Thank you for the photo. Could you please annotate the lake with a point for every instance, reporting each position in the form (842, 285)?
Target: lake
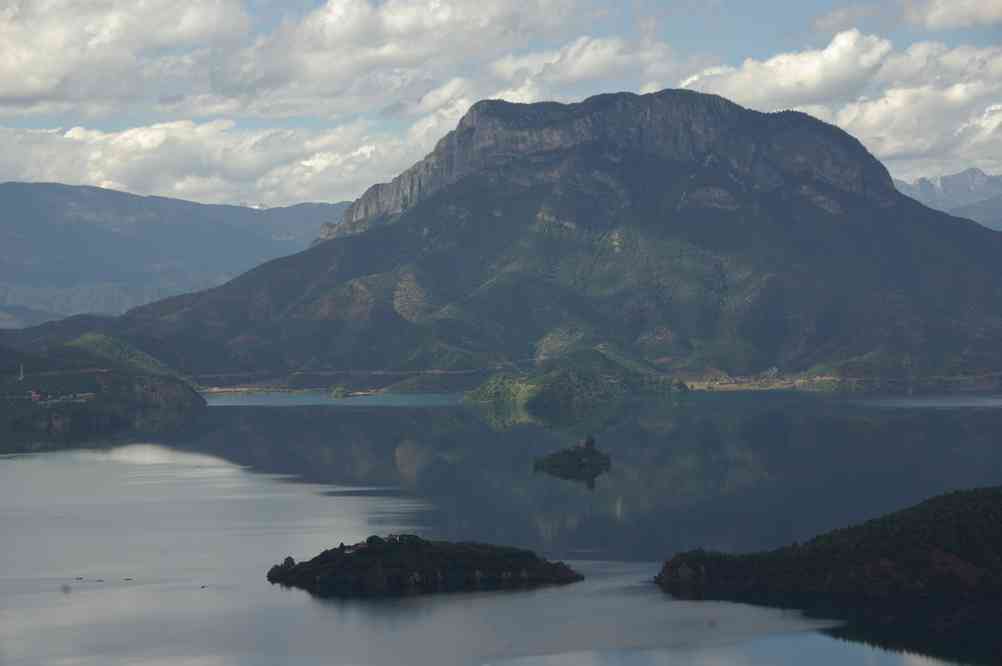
(156, 552)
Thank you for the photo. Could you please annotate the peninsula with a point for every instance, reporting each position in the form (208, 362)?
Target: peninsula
(934, 568)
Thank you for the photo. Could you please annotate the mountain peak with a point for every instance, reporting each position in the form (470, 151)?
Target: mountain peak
(953, 191)
(762, 150)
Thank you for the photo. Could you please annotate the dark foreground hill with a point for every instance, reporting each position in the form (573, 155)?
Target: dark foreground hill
(675, 229)
(935, 567)
(68, 249)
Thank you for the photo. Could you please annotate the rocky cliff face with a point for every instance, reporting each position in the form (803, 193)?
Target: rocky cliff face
(762, 150)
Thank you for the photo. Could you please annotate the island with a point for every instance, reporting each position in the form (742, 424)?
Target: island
(583, 463)
(934, 570)
(404, 564)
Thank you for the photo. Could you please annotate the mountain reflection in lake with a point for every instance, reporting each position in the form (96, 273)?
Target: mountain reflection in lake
(146, 527)
(731, 472)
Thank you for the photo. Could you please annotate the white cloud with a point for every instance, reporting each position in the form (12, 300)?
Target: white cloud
(200, 57)
(592, 64)
(948, 14)
(927, 109)
(348, 55)
(58, 53)
(838, 71)
(844, 18)
(212, 161)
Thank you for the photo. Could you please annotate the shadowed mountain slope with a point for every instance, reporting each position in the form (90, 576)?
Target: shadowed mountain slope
(676, 228)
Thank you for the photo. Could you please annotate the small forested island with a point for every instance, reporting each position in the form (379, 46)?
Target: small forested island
(933, 569)
(583, 463)
(402, 565)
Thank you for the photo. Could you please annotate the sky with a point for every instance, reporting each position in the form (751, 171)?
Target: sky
(276, 102)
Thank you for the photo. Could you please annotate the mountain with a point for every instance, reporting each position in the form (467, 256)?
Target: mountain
(676, 230)
(68, 249)
(987, 212)
(955, 191)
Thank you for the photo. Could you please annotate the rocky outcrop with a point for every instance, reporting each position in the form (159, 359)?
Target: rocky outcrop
(328, 230)
(763, 150)
(936, 566)
(404, 564)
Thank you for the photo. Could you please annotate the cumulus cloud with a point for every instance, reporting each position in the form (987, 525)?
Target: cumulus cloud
(844, 18)
(213, 161)
(201, 57)
(58, 54)
(927, 109)
(348, 55)
(948, 14)
(838, 71)
(588, 65)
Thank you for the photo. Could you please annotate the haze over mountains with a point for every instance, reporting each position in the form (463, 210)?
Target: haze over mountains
(988, 212)
(676, 229)
(67, 250)
(971, 193)
(18, 316)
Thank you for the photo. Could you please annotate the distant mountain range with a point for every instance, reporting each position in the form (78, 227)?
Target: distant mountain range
(68, 249)
(675, 230)
(988, 212)
(971, 193)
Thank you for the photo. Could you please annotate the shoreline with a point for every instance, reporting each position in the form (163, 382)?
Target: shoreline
(252, 390)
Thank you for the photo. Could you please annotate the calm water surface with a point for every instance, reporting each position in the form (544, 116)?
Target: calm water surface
(323, 398)
(938, 402)
(145, 554)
